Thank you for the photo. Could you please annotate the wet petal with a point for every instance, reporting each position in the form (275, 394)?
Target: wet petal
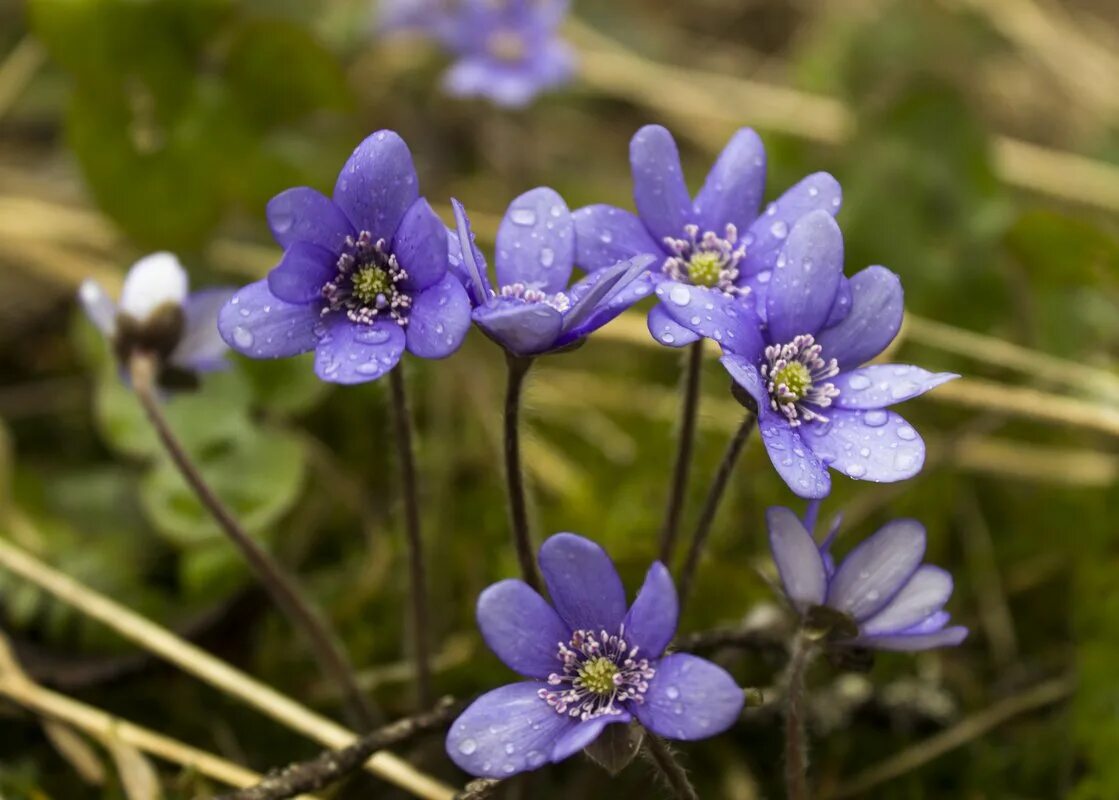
(689, 698)
(662, 198)
(468, 262)
(521, 328)
(668, 331)
(923, 596)
(605, 235)
(877, 569)
(506, 731)
(98, 306)
(521, 628)
(745, 374)
(798, 559)
(592, 293)
(712, 314)
(805, 279)
(305, 215)
(874, 445)
(651, 621)
(842, 305)
(877, 307)
(949, 637)
(584, 586)
(439, 320)
(420, 246)
(766, 235)
(303, 270)
(153, 281)
(377, 185)
(201, 347)
(257, 324)
(931, 624)
(735, 186)
(350, 352)
(536, 242)
(583, 734)
(621, 296)
(881, 385)
(794, 460)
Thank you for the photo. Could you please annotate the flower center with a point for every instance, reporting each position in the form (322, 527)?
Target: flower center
(599, 673)
(367, 286)
(519, 291)
(708, 260)
(797, 379)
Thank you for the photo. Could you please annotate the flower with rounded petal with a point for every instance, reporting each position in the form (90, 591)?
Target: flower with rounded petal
(589, 661)
(889, 598)
(719, 241)
(364, 274)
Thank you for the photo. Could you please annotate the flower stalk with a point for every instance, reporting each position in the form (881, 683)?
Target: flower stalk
(421, 641)
(689, 408)
(670, 768)
(518, 367)
(284, 592)
(796, 744)
(711, 505)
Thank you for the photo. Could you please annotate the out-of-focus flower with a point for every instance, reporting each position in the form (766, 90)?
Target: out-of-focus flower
(589, 663)
(157, 316)
(880, 597)
(363, 275)
(507, 50)
(800, 357)
(719, 241)
(533, 311)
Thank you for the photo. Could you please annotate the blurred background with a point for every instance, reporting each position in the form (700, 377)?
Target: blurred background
(977, 142)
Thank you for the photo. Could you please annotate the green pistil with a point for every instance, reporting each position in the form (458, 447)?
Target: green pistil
(371, 282)
(704, 269)
(796, 377)
(598, 674)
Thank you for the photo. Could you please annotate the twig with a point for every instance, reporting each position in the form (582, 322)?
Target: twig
(421, 629)
(711, 505)
(968, 729)
(280, 586)
(518, 367)
(209, 669)
(689, 408)
(333, 765)
(757, 640)
(669, 767)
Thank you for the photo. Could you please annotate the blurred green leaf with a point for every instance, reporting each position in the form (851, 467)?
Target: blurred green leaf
(285, 386)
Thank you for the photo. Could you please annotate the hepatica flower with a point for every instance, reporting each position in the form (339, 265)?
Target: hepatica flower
(533, 311)
(589, 662)
(362, 278)
(157, 316)
(718, 241)
(817, 406)
(883, 597)
(507, 50)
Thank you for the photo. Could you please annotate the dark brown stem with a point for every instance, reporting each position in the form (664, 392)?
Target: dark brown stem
(757, 640)
(669, 767)
(334, 765)
(283, 590)
(514, 474)
(711, 505)
(796, 746)
(689, 408)
(478, 789)
(421, 633)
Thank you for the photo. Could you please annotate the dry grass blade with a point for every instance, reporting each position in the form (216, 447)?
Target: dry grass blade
(18, 69)
(138, 777)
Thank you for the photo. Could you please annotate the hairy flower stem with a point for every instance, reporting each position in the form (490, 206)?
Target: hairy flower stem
(333, 765)
(283, 590)
(421, 634)
(514, 475)
(711, 505)
(689, 407)
(669, 767)
(796, 745)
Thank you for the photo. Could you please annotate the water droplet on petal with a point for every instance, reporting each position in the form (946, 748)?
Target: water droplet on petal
(779, 229)
(876, 418)
(672, 692)
(680, 295)
(547, 257)
(907, 433)
(668, 338)
(859, 382)
(467, 746)
(855, 470)
(243, 337)
(523, 216)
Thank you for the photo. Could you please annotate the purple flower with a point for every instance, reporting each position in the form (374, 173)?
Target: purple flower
(533, 311)
(507, 50)
(363, 275)
(800, 357)
(589, 663)
(718, 241)
(886, 598)
(157, 315)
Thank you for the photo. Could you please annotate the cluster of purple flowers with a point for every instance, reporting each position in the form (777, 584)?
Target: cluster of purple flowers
(371, 272)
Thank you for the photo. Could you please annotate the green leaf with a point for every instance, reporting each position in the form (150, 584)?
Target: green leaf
(286, 386)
